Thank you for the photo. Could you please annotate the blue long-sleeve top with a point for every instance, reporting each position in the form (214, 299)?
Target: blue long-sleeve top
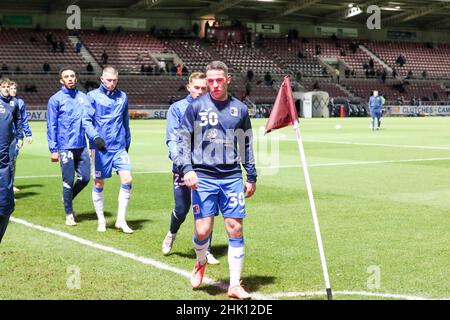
(216, 138)
(24, 116)
(108, 118)
(375, 103)
(11, 106)
(9, 120)
(64, 120)
(173, 123)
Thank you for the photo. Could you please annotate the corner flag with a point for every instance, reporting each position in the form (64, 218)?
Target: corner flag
(284, 114)
(283, 111)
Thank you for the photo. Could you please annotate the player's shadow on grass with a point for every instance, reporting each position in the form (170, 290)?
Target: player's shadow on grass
(28, 186)
(136, 224)
(218, 251)
(83, 216)
(20, 195)
(251, 284)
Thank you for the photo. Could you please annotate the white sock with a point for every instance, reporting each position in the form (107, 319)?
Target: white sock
(124, 197)
(97, 199)
(235, 260)
(201, 247)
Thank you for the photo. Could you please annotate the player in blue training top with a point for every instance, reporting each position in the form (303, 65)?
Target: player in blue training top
(25, 126)
(375, 106)
(181, 193)
(216, 137)
(107, 120)
(67, 140)
(9, 121)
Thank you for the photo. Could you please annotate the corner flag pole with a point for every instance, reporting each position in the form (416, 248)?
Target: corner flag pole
(313, 210)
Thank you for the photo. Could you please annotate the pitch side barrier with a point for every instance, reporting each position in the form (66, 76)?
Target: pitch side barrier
(406, 110)
(135, 114)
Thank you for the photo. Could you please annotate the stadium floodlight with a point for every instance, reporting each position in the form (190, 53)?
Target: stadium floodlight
(266, 0)
(352, 11)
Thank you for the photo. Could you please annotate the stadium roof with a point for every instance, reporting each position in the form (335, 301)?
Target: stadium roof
(428, 14)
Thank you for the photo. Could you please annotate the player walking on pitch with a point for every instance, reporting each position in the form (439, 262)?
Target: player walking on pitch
(107, 124)
(25, 126)
(216, 137)
(67, 140)
(182, 194)
(10, 125)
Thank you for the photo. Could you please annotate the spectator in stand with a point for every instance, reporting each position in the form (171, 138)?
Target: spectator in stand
(316, 86)
(371, 63)
(5, 67)
(318, 49)
(46, 67)
(62, 46)
(250, 74)
(179, 70)
(89, 68)
(268, 79)
(435, 96)
(401, 60)
(383, 76)
(410, 75)
(394, 73)
(78, 47)
(424, 74)
(185, 71)
(104, 58)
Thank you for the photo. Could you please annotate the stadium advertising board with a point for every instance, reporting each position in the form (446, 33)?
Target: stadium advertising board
(394, 110)
(41, 115)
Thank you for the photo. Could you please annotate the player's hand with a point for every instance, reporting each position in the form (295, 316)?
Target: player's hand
(54, 157)
(191, 180)
(249, 189)
(19, 144)
(100, 144)
(29, 139)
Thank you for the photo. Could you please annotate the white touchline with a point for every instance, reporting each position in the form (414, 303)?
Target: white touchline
(353, 293)
(187, 274)
(375, 144)
(274, 167)
(147, 261)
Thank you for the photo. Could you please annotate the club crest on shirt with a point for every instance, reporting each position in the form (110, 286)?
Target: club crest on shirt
(212, 134)
(234, 111)
(80, 100)
(119, 100)
(11, 103)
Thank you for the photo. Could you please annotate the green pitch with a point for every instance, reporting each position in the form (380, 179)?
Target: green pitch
(382, 198)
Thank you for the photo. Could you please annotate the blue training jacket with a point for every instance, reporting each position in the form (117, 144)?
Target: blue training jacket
(64, 120)
(173, 123)
(24, 116)
(375, 103)
(107, 117)
(216, 137)
(10, 120)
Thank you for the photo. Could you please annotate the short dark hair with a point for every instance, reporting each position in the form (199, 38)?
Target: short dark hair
(217, 65)
(65, 69)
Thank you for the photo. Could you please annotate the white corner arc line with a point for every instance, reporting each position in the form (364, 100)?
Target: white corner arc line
(374, 144)
(187, 274)
(354, 293)
(147, 261)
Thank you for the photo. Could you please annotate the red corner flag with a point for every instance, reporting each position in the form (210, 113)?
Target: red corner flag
(283, 112)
